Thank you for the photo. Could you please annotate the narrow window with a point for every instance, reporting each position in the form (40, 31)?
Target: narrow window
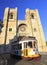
(11, 16)
(34, 44)
(35, 29)
(32, 16)
(10, 29)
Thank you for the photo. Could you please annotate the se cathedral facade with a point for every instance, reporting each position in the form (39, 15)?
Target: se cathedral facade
(31, 26)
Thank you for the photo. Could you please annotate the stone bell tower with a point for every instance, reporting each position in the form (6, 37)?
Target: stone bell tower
(33, 19)
(9, 22)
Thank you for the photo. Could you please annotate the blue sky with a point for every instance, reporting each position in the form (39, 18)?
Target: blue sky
(41, 5)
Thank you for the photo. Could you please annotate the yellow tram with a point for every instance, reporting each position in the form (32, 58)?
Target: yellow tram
(26, 48)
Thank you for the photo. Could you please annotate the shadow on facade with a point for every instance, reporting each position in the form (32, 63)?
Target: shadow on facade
(5, 54)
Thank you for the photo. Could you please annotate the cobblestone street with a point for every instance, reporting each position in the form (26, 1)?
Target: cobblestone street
(7, 60)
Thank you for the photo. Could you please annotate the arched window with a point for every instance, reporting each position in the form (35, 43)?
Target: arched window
(32, 15)
(11, 15)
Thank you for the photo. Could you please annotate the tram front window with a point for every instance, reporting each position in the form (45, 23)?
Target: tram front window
(30, 44)
(35, 45)
(25, 44)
